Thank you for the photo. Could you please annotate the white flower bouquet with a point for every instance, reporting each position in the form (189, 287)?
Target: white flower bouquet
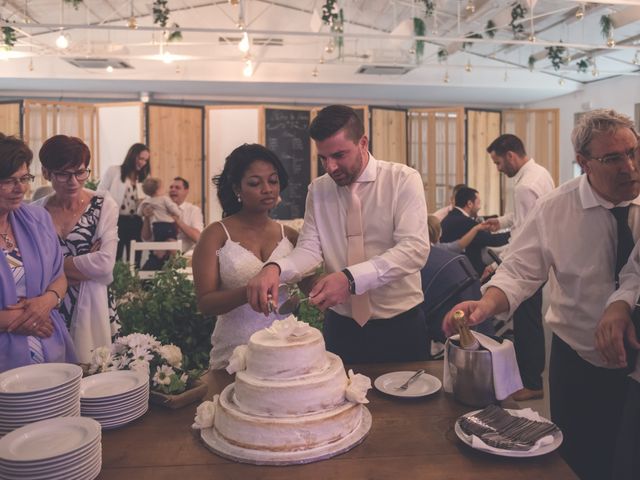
(144, 353)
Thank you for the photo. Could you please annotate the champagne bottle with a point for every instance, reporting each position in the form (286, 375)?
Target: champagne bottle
(467, 340)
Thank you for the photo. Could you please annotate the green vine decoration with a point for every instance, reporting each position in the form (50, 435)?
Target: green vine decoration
(470, 35)
(490, 29)
(429, 8)
(74, 3)
(531, 62)
(334, 18)
(175, 35)
(582, 66)
(443, 54)
(161, 17)
(556, 56)
(419, 30)
(9, 37)
(517, 13)
(606, 26)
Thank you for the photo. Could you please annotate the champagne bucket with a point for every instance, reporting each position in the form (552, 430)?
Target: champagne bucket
(471, 375)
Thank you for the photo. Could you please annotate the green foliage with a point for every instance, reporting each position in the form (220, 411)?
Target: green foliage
(531, 62)
(166, 308)
(74, 3)
(175, 35)
(556, 56)
(92, 184)
(161, 12)
(8, 37)
(429, 7)
(470, 35)
(419, 29)
(606, 26)
(490, 29)
(582, 66)
(330, 13)
(517, 13)
(443, 54)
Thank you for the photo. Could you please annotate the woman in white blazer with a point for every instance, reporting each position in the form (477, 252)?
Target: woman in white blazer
(124, 183)
(86, 224)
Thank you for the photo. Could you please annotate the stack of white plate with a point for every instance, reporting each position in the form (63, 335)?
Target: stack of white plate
(114, 398)
(37, 392)
(64, 447)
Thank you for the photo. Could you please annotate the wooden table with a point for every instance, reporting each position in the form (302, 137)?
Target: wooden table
(409, 439)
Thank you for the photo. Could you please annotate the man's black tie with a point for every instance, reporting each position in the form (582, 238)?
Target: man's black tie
(625, 239)
(625, 245)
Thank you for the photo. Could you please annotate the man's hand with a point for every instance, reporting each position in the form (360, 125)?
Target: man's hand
(147, 211)
(474, 311)
(330, 290)
(263, 288)
(493, 224)
(34, 319)
(614, 328)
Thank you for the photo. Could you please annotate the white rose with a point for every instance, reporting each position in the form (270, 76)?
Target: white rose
(357, 387)
(238, 360)
(172, 354)
(100, 359)
(205, 414)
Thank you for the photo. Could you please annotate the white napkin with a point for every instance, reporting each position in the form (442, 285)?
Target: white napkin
(527, 413)
(506, 375)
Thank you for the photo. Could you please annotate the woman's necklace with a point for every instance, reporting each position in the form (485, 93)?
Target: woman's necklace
(7, 240)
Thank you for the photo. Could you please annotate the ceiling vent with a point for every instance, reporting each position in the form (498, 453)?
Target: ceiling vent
(98, 63)
(383, 70)
(258, 41)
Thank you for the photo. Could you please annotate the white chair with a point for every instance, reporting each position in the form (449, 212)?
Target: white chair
(148, 247)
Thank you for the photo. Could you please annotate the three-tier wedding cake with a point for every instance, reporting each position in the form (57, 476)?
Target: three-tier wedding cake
(291, 401)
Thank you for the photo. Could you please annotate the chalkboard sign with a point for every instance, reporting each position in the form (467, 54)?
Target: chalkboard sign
(360, 114)
(287, 134)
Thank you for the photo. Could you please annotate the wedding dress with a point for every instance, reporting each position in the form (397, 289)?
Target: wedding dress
(237, 266)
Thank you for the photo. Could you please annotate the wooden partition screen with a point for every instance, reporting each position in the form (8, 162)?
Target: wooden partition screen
(389, 134)
(43, 119)
(174, 137)
(482, 128)
(11, 118)
(436, 140)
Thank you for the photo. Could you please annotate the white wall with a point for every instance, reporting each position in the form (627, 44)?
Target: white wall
(620, 93)
(119, 127)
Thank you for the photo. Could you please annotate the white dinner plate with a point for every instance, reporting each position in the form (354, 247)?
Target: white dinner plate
(116, 400)
(43, 397)
(106, 425)
(48, 438)
(109, 384)
(37, 378)
(422, 386)
(543, 450)
(78, 458)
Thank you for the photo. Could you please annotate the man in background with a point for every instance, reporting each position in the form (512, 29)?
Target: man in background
(444, 211)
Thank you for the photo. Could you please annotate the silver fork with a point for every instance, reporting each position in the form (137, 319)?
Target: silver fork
(413, 377)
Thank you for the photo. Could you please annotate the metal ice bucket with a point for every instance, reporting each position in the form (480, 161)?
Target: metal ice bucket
(471, 375)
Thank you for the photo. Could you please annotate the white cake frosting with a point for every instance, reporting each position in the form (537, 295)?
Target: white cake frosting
(290, 394)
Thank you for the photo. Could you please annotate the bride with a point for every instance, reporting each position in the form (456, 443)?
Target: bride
(230, 252)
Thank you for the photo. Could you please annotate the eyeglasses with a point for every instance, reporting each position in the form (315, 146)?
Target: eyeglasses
(62, 176)
(8, 184)
(617, 158)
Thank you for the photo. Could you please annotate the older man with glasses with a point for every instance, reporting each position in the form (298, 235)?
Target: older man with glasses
(574, 238)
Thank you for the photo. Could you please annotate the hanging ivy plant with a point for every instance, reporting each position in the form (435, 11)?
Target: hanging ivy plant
(517, 13)
(8, 36)
(531, 62)
(429, 8)
(443, 54)
(330, 12)
(74, 3)
(419, 30)
(490, 29)
(470, 35)
(582, 66)
(175, 35)
(606, 26)
(161, 12)
(556, 56)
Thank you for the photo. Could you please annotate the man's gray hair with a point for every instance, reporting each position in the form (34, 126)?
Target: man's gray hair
(596, 122)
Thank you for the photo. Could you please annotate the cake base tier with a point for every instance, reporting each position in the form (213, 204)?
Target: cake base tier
(217, 444)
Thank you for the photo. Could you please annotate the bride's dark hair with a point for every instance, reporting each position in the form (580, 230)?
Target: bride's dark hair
(234, 167)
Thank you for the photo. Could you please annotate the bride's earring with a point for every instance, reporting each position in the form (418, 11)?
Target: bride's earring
(239, 198)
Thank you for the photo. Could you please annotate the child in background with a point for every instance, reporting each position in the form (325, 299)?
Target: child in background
(163, 224)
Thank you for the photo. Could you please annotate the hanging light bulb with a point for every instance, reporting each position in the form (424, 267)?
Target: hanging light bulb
(470, 8)
(314, 72)
(594, 71)
(636, 60)
(611, 42)
(412, 50)
(31, 67)
(580, 12)
(167, 57)
(446, 77)
(132, 23)
(109, 69)
(244, 44)
(532, 38)
(247, 71)
(467, 67)
(506, 76)
(330, 47)
(561, 81)
(233, 2)
(62, 42)
(178, 69)
(321, 61)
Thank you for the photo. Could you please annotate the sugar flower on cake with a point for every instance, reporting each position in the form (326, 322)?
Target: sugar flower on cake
(357, 387)
(290, 326)
(238, 360)
(205, 414)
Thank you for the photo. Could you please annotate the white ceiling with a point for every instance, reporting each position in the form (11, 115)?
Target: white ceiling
(208, 65)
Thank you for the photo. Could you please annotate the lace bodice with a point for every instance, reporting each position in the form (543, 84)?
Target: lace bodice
(237, 266)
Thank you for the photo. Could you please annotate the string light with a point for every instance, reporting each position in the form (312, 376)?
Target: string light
(636, 60)
(109, 69)
(244, 44)
(580, 12)
(330, 47)
(62, 42)
(470, 8)
(467, 67)
(611, 42)
(247, 71)
(314, 72)
(167, 57)
(446, 77)
(561, 81)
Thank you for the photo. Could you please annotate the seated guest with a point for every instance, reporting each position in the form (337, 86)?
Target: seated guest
(233, 250)
(32, 281)
(462, 219)
(457, 246)
(444, 211)
(87, 226)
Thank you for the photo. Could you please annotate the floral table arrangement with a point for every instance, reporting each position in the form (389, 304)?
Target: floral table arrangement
(170, 384)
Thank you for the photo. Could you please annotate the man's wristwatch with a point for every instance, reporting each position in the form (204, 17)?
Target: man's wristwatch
(352, 282)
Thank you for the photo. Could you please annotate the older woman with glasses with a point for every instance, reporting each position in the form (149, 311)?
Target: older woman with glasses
(86, 224)
(32, 281)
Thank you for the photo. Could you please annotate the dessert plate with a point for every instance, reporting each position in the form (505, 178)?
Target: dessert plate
(422, 386)
(542, 450)
(108, 384)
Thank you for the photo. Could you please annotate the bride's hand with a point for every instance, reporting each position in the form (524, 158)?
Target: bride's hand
(261, 286)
